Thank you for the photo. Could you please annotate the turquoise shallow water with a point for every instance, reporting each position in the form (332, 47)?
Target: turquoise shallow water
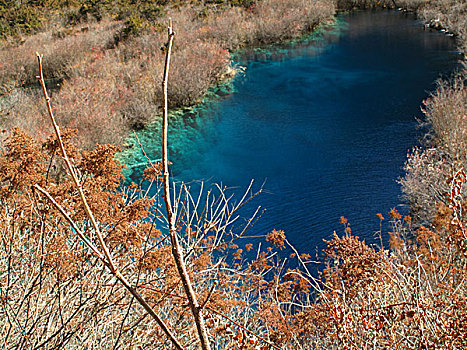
(326, 124)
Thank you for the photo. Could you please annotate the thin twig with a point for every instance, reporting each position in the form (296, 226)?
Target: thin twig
(217, 313)
(70, 168)
(105, 257)
(72, 223)
(171, 218)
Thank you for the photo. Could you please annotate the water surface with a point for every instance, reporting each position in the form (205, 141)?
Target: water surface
(326, 124)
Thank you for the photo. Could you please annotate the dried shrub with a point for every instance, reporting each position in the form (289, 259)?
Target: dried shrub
(411, 297)
(266, 22)
(61, 54)
(118, 63)
(61, 293)
(427, 169)
(198, 69)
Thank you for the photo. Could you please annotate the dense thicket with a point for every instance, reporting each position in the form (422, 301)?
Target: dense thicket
(30, 16)
(56, 293)
(106, 55)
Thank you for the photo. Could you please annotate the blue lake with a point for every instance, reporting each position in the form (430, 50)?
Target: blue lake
(326, 123)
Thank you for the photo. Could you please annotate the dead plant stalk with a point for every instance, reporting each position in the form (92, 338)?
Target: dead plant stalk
(177, 252)
(105, 257)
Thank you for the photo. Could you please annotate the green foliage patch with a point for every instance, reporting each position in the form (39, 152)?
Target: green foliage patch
(19, 19)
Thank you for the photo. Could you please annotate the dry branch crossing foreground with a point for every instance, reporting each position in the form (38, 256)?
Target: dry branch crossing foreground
(105, 255)
(217, 216)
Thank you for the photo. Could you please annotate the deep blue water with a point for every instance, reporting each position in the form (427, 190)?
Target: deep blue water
(326, 124)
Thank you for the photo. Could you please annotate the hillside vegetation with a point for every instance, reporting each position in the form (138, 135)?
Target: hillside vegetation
(104, 61)
(109, 64)
(106, 55)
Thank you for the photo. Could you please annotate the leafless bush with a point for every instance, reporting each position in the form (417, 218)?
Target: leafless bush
(56, 293)
(63, 54)
(427, 170)
(446, 112)
(15, 115)
(88, 66)
(266, 22)
(424, 182)
(279, 20)
(199, 68)
(82, 260)
(410, 297)
(364, 4)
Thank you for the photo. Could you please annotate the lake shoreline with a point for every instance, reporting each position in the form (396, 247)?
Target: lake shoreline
(230, 70)
(213, 143)
(120, 63)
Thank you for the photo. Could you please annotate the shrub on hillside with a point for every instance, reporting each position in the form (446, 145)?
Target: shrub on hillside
(130, 56)
(63, 55)
(195, 69)
(57, 288)
(267, 22)
(19, 20)
(15, 115)
(427, 169)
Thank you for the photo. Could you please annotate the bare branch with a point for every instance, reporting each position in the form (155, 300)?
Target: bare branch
(106, 257)
(70, 168)
(176, 248)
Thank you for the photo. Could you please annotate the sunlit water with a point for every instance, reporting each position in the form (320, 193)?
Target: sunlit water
(326, 124)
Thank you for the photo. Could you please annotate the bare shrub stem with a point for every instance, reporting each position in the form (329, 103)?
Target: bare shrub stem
(221, 315)
(71, 170)
(105, 257)
(177, 251)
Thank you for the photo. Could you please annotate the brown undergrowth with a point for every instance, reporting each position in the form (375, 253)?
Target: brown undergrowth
(56, 293)
(109, 66)
(412, 296)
